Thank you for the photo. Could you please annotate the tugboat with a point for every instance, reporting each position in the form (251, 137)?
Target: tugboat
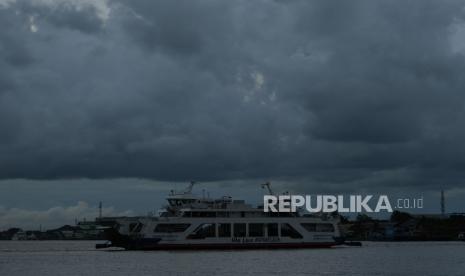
(193, 222)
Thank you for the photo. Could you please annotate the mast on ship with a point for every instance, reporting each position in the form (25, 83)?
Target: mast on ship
(189, 188)
(187, 191)
(268, 187)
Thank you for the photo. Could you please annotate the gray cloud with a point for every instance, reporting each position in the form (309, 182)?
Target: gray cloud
(354, 94)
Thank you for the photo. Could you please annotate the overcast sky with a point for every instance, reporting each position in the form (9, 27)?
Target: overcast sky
(125, 99)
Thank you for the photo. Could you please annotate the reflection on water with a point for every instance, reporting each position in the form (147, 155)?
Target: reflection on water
(79, 258)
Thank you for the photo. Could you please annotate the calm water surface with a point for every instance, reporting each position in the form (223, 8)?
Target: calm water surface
(79, 258)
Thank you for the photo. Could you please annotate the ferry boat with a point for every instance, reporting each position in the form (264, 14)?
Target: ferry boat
(193, 222)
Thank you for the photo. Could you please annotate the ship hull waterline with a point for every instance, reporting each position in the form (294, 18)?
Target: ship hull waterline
(123, 241)
(220, 246)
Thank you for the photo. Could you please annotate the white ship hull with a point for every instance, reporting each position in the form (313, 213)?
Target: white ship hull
(146, 238)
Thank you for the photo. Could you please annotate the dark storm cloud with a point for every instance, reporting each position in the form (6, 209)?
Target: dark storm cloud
(357, 93)
(389, 70)
(64, 14)
(183, 27)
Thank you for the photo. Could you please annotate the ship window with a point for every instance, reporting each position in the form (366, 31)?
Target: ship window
(223, 214)
(207, 214)
(288, 231)
(256, 230)
(272, 229)
(320, 227)
(135, 227)
(310, 227)
(171, 228)
(239, 230)
(324, 227)
(224, 230)
(206, 230)
(203, 214)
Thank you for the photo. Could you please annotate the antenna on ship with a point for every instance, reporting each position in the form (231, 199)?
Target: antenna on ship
(100, 210)
(189, 188)
(268, 187)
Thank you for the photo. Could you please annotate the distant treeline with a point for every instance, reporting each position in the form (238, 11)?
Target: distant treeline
(82, 231)
(405, 226)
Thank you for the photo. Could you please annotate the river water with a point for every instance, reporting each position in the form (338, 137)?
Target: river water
(374, 258)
